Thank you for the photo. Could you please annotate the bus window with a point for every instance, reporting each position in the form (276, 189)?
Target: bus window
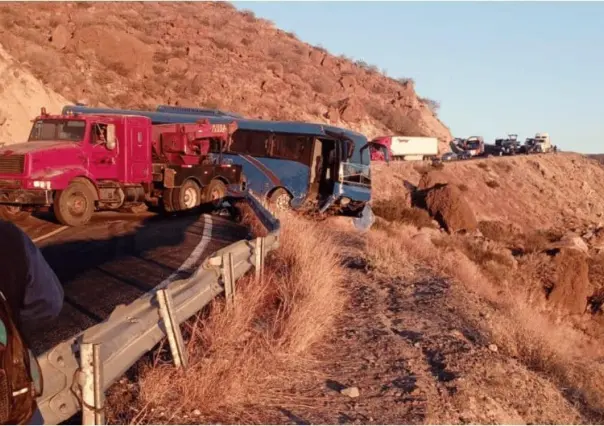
(250, 143)
(292, 147)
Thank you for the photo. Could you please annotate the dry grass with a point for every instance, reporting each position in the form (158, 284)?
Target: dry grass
(250, 351)
(396, 210)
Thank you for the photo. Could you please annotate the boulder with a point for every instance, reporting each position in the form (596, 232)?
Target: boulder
(60, 36)
(116, 49)
(448, 206)
(571, 284)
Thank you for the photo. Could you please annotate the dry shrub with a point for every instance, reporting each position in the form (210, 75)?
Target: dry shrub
(251, 350)
(248, 218)
(554, 350)
(497, 231)
(397, 210)
(322, 84)
(503, 166)
(224, 42)
(481, 254)
(538, 241)
(384, 255)
(492, 184)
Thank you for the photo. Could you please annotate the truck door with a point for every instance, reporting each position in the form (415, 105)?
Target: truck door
(103, 161)
(139, 153)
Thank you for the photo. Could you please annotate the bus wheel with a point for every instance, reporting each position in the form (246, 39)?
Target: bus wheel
(187, 197)
(13, 213)
(280, 199)
(74, 206)
(214, 193)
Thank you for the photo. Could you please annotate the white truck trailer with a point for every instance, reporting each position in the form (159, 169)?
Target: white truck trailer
(409, 147)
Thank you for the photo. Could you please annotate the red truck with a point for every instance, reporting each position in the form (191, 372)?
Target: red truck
(78, 164)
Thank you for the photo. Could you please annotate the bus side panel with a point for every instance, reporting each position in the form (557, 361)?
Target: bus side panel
(292, 175)
(354, 192)
(257, 181)
(265, 174)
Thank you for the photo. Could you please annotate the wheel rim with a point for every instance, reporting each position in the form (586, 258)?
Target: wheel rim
(282, 202)
(77, 204)
(190, 198)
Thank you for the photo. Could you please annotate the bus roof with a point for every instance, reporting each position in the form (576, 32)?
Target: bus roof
(162, 117)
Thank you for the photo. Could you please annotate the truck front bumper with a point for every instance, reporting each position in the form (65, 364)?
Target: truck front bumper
(39, 197)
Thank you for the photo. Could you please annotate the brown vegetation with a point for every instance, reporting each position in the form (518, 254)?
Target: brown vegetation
(397, 210)
(245, 352)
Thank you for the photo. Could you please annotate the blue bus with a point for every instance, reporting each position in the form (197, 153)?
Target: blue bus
(292, 164)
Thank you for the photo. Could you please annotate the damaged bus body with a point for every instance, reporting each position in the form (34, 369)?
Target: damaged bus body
(292, 164)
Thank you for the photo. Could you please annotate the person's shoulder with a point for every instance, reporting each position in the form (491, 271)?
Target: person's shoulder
(10, 232)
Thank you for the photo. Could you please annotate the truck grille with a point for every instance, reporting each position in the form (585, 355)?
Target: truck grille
(12, 164)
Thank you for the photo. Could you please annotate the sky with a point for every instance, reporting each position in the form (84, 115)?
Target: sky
(495, 67)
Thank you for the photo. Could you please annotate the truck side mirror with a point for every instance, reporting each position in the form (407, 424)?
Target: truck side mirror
(111, 141)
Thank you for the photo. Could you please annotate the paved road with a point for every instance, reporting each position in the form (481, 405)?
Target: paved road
(117, 257)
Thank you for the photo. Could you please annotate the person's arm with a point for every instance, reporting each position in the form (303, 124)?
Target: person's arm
(43, 292)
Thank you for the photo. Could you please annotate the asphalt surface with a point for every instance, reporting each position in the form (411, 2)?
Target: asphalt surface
(116, 258)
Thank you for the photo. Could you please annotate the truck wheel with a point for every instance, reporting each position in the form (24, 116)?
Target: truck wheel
(166, 200)
(74, 206)
(280, 199)
(214, 193)
(187, 197)
(13, 213)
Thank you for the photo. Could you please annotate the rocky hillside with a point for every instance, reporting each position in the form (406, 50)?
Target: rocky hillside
(532, 192)
(21, 96)
(205, 54)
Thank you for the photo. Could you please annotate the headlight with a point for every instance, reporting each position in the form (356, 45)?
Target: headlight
(42, 184)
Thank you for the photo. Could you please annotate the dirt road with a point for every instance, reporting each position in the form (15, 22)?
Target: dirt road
(117, 257)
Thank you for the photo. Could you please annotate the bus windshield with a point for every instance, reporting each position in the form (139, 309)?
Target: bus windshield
(58, 130)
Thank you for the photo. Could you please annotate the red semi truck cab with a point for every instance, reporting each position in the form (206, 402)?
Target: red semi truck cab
(77, 164)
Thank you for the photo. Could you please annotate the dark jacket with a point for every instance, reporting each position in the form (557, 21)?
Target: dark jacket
(29, 284)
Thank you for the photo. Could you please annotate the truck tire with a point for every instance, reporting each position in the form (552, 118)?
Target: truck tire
(74, 206)
(13, 213)
(166, 200)
(186, 197)
(280, 199)
(214, 192)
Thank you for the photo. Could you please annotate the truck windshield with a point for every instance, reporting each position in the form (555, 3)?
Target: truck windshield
(58, 130)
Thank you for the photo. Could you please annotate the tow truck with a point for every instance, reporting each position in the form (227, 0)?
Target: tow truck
(77, 164)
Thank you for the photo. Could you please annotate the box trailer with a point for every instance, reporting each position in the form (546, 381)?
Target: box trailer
(408, 147)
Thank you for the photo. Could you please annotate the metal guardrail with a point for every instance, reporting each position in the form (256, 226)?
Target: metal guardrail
(79, 370)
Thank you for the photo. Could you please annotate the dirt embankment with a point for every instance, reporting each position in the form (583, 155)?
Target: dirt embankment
(530, 279)
(21, 97)
(532, 192)
(206, 54)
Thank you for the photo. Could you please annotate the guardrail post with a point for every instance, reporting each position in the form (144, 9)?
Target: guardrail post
(259, 257)
(166, 311)
(93, 396)
(228, 276)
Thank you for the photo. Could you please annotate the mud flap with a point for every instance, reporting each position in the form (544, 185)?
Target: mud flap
(364, 221)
